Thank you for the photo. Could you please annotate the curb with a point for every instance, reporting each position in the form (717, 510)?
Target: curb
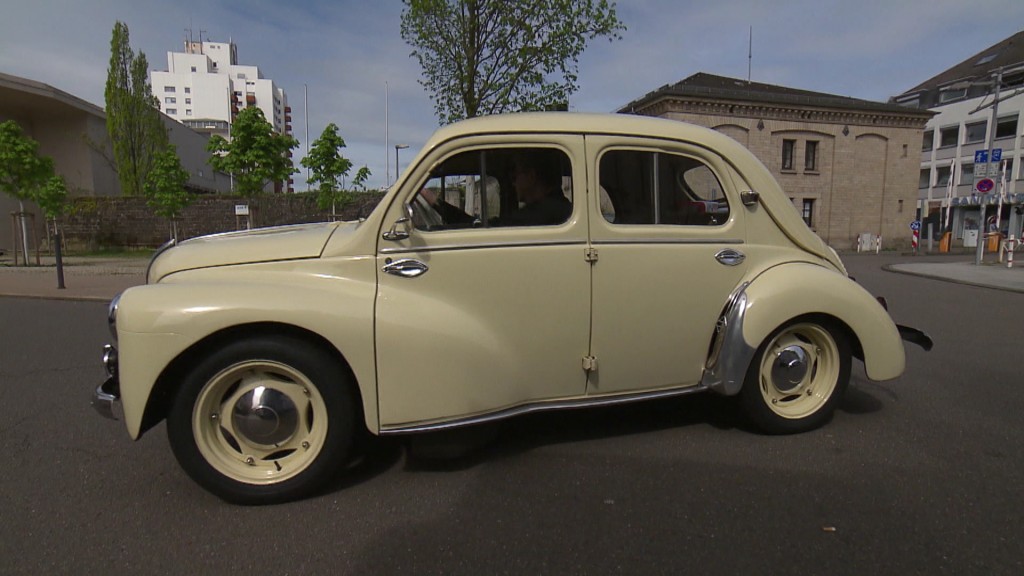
(894, 268)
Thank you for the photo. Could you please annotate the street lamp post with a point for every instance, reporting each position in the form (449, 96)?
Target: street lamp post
(397, 148)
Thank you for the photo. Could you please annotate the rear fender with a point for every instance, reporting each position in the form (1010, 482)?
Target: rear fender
(789, 291)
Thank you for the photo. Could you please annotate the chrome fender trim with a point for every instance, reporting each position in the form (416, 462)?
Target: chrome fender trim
(730, 355)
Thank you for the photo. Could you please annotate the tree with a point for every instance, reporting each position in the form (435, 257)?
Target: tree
(359, 180)
(484, 57)
(52, 198)
(165, 187)
(22, 170)
(256, 155)
(133, 118)
(328, 168)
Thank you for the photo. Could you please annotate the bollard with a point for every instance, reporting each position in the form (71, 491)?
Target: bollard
(1010, 244)
(60, 261)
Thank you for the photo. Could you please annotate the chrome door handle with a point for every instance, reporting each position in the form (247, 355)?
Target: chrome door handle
(730, 257)
(406, 268)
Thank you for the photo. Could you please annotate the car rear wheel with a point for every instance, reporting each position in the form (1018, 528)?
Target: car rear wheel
(263, 420)
(797, 377)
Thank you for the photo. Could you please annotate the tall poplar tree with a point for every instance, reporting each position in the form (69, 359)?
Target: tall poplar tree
(133, 117)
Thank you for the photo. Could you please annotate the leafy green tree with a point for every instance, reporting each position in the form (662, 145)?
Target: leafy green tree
(52, 197)
(328, 168)
(22, 170)
(165, 187)
(359, 180)
(255, 156)
(484, 57)
(133, 117)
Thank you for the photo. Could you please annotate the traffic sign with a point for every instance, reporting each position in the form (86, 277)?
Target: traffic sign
(915, 225)
(985, 185)
(997, 154)
(980, 156)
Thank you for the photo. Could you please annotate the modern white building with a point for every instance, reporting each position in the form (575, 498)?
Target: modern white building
(956, 143)
(205, 87)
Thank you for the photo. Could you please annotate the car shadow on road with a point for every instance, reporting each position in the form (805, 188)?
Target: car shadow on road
(468, 447)
(471, 446)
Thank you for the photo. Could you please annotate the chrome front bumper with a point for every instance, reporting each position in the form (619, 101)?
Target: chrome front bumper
(107, 398)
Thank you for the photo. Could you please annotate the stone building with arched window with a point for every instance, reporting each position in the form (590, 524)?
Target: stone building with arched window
(850, 166)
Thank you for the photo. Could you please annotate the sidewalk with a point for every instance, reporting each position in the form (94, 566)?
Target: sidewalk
(988, 275)
(85, 278)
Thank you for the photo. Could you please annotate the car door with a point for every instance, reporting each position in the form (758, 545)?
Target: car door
(667, 228)
(479, 310)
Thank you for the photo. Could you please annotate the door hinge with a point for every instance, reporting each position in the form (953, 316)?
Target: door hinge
(590, 254)
(589, 364)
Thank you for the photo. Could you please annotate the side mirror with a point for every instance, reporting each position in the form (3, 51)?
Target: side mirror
(394, 234)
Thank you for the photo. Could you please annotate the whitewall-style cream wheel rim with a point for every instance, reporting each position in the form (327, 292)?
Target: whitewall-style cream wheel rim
(799, 371)
(259, 422)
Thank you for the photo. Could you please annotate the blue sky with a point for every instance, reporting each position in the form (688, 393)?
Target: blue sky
(346, 51)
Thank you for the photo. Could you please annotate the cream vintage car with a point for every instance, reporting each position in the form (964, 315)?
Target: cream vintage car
(522, 263)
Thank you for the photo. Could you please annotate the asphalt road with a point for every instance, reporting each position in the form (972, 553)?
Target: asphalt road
(921, 475)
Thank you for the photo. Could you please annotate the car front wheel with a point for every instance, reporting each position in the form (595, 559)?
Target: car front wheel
(797, 377)
(263, 420)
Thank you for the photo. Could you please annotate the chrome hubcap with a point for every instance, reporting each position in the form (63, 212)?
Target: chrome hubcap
(265, 416)
(790, 368)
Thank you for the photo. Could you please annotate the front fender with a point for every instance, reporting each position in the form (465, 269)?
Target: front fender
(157, 323)
(788, 291)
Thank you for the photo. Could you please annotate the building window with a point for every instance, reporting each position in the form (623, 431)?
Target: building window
(808, 211)
(942, 176)
(975, 132)
(168, 88)
(811, 156)
(170, 100)
(787, 154)
(951, 95)
(966, 173)
(926, 178)
(929, 140)
(193, 68)
(188, 90)
(188, 112)
(172, 111)
(188, 100)
(948, 136)
(241, 76)
(1006, 127)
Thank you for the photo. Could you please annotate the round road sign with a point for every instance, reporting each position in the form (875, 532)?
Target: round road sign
(985, 185)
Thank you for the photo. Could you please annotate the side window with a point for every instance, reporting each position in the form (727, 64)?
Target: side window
(496, 187)
(660, 188)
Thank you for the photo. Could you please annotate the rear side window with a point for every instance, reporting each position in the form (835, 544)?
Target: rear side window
(641, 187)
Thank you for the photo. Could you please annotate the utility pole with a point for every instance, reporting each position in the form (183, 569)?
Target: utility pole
(993, 121)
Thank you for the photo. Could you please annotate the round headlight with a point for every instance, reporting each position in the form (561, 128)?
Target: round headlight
(112, 316)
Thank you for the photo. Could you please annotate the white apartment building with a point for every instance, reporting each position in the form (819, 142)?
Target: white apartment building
(205, 87)
(956, 141)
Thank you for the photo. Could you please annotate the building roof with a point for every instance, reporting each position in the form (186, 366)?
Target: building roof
(24, 93)
(1008, 54)
(709, 86)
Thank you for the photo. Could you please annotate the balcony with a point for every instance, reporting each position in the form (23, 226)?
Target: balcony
(250, 98)
(287, 117)
(287, 109)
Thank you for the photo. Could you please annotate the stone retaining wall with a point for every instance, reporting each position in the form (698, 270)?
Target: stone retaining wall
(104, 222)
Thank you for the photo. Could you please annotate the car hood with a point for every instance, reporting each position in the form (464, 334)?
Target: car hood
(246, 247)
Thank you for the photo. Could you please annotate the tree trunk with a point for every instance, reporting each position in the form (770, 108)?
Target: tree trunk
(24, 231)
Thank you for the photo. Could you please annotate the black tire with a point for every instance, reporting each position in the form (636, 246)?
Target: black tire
(263, 420)
(776, 397)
